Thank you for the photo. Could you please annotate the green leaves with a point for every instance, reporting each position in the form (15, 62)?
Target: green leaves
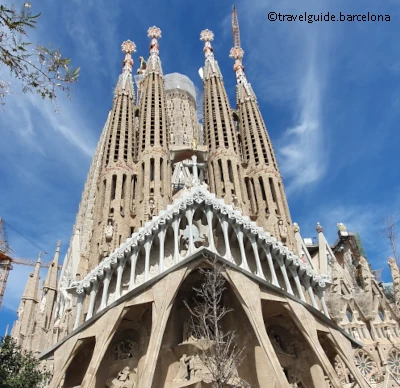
(42, 70)
(19, 369)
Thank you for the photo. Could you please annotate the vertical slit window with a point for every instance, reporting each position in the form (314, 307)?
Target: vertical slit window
(264, 197)
(271, 185)
(161, 174)
(254, 191)
(151, 170)
(230, 171)
(221, 171)
(113, 187)
(134, 178)
(123, 186)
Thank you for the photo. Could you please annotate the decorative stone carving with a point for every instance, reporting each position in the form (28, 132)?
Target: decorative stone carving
(341, 227)
(109, 231)
(192, 369)
(319, 228)
(365, 364)
(365, 274)
(394, 269)
(283, 230)
(296, 228)
(183, 370)
(43, 304)
(394, 362)
(125, 349)
(125, 379)
(151, 208)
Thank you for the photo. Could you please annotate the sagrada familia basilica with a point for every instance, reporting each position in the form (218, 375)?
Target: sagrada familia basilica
(164, 194)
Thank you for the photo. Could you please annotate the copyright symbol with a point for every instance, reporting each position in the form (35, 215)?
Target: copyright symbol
(272, 16)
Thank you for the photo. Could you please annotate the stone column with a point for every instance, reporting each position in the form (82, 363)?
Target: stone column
(93, 293)
(175, 226)
(106, 284)
(260, 272)
(297, 282)
(79, 304)
(225, 226)
(239, 235)
(133, 259)
(271, 266)
(285, 275)
(210, 215)
(161, 237)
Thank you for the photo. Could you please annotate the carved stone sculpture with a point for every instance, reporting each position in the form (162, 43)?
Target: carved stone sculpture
(282, 230)
(183, 370)
(365, 274)
(109, 231)
(125, 379)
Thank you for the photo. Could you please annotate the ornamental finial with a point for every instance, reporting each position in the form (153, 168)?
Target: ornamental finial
(154, 33)
(128, 47)
(319, 228)
(341, 227)
(296, 228)
(207, 36)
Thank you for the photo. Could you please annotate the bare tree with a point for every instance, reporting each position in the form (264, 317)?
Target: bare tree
(220, 353)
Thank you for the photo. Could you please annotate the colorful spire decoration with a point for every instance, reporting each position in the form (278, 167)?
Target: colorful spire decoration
(128, 47)
(154, 33)
(207, 36)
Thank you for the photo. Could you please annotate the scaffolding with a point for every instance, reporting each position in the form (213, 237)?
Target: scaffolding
(179, 81)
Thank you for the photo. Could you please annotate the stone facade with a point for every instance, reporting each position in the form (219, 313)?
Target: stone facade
(158, 202)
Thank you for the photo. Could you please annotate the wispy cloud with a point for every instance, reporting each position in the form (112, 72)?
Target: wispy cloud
(287, 67)
(303, 158)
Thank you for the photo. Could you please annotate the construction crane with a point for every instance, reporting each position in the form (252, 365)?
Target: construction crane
(7, 259)
(235, 28)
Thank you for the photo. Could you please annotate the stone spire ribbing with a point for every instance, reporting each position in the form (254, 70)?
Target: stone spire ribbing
(153, 165)
(224, 166)
(24, 327)
(263, 181)
(113, 213)
(42, 335)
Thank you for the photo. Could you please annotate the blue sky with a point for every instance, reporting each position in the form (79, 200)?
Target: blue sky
(329, 93)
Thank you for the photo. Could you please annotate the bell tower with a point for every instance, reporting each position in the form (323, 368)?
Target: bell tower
(224, 164)
(263, 181)
(153, 164)
(113, 219)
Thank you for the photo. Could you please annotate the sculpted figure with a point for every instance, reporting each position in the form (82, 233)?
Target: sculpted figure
(235, 202)
(282, 230)
(43, 304)
(125, 379)
(152, 208)
(365, 274)
(183, 370)
(194, 144)
(109, 231)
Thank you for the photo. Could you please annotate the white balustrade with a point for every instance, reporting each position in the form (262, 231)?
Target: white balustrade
(276, 254)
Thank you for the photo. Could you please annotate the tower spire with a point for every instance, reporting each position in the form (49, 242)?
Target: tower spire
(264, 186)
(113, 218)
(125, 84)
(154, 187)
(211, 66)
(128, 47)
(235, 28)
(237, 54)
(155, 63)
(224, 164)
